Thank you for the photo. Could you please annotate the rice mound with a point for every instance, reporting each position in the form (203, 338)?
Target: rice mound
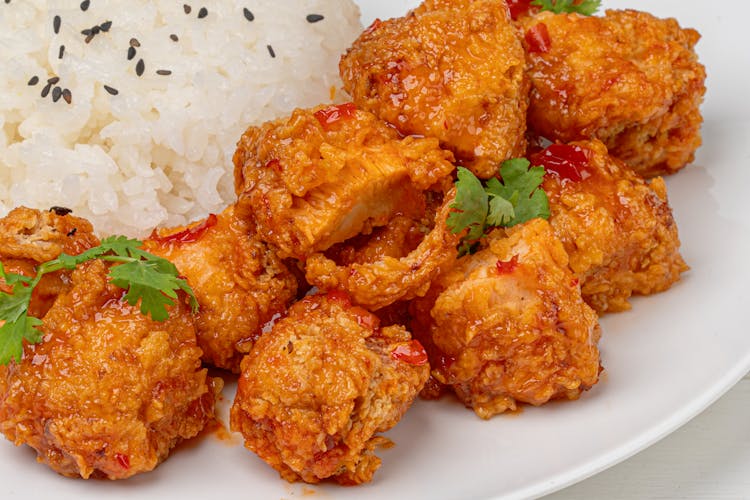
(158, 152)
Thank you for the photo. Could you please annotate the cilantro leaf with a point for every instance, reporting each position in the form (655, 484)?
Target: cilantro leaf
(514, 199)
(470, 206)
(585, 7)
(12, 335)
(152, 280)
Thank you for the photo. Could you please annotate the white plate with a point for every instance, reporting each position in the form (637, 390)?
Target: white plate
(665, 360)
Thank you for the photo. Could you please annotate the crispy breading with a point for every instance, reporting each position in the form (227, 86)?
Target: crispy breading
(308, 183)
(238, 280)
(509, 325)
(629, 79)
(453, 70)
(617, 229)
(109, 391)
(315, 391)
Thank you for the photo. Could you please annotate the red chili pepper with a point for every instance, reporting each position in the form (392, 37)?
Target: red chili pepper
(340, 296)
(123, 460)
(375, 24)
(365, 318)
(410, 352)
(507, 266)
(189, 235)
(333, 114)
(518, 8)
(564, 161)
(537, 39)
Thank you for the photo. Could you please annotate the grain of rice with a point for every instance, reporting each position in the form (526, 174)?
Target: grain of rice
(131, 152)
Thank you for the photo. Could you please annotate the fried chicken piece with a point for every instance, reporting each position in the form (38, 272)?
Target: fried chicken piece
(617, 229)
(316, 390)
(388, 269)
(238, 280)
(451, 69)
(30, 237)
(109, 391)
(509, 324)
(629, 79)
(321, 176)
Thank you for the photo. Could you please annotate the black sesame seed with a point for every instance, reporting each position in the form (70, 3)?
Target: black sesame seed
(34, 80)
(56, 24)
(134, 42)
(95, 30)
(46, 89)
(163, 72)
(53, 80)
(56, 94)
(86, 32)
(314, 18)
(7, 1)
(131, 53)
(67, 95)
(202, 13)
(61, 211)
(248, 15)
(140, 67)
(111, 90)
(270, 51)
(85, 5)
(173, 37)
(72, 232)
(105, 26)
(61, 52)
(187, 8)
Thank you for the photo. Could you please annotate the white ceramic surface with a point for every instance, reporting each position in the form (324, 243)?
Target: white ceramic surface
(665, 360)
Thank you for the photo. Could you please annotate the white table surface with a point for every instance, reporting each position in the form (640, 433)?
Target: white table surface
(708, 458)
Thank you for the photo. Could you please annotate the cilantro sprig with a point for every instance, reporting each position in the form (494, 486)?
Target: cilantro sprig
(515, 199)
(585, 7)
(152, 280)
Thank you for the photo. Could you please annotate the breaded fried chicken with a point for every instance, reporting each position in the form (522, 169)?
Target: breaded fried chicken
(617, 229)
(315, 391)
(238, 280)
(321, 176)
(508, 324)
(629, 79)
(109, 391)
(450, 69)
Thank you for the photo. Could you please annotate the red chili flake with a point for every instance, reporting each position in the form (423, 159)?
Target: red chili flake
(574, 282)
(375, 25)
(537, 39)
(189, 235)
(507, 266)
(274, 165)
(564, 161)
(332, 114)
(365, 318)
(123, 460)
(339, 296)
(519, 8)
(410, 352)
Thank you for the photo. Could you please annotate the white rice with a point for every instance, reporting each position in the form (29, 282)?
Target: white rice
(159, 152)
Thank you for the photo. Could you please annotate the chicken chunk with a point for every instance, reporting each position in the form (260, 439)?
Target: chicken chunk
(389, 267)
(30, 237)
(109, 391)
(509, 325)
(617, 229)
(316, 390)
(629, 79)
(238, 280)
(321, 176)
(451, 69)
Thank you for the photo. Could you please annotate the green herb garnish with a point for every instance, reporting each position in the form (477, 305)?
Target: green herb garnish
(151, 279)
(585, 7)
(515, 199)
